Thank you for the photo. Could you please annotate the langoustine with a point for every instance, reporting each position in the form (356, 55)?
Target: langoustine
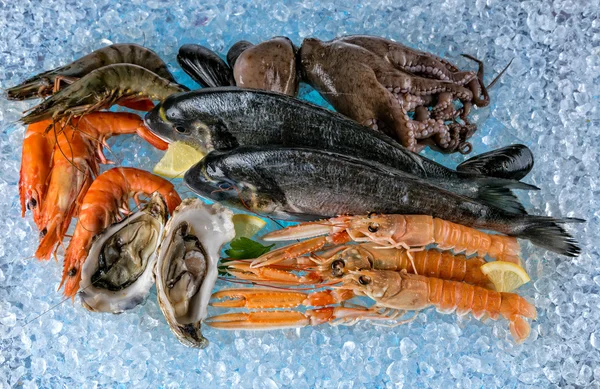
(340, 260)
(394, 293)
(108, 194)
(412, 232)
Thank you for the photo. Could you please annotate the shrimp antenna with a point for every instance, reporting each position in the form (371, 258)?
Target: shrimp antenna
(61, 302)
(58, 146)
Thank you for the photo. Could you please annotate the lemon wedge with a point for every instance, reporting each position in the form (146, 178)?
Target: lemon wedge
(177, 160)
(505, 276)
(246, 226)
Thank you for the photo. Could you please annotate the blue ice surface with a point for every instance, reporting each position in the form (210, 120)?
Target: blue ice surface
(547, 100)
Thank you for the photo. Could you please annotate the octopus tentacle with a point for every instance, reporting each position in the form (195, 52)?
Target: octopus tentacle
(373, 81)
(410, 131)
(477, 86)
(411, 102)
(402, 82)
(412, 60)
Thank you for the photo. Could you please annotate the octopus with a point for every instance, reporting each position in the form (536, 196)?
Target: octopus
(410, 95)
(270, 65)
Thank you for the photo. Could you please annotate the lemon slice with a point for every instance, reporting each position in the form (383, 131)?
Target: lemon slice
(177, 160)
(506, 276)
(247, 226)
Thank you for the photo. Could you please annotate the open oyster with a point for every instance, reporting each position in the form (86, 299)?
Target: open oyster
(118, 272)
(186, 270)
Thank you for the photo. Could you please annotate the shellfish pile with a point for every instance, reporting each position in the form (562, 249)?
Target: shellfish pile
(378, 204)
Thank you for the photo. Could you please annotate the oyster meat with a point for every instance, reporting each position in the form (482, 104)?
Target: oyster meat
(118, 272)
(186, 270)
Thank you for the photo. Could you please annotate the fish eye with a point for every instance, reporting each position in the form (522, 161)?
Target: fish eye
(181, 130)
(364, 280)
(373, 227)
(337, 268)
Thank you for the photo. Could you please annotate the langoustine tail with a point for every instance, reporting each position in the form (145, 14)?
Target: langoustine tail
(515, 308)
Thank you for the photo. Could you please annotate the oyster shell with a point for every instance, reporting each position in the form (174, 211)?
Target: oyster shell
(118, 272)
(186, 270)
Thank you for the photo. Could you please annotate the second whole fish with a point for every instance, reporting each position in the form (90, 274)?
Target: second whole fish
(301, 184)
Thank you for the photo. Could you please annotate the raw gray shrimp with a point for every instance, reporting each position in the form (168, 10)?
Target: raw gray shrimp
(47, 83)
(101, 89)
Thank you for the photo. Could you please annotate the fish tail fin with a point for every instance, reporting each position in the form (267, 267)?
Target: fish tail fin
(497, 193)
(547, 233)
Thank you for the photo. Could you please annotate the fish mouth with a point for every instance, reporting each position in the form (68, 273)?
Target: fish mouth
(158, 126)
(197, 180)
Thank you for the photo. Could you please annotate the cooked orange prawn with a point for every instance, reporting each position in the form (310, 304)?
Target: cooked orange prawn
(108, 194)
(99, 126)
(36, 163)
(412, 232)
(337, 262)
(73, 166)
(394, 293)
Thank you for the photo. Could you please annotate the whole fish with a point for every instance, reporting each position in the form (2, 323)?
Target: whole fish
(299, 184)
(224, 118)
